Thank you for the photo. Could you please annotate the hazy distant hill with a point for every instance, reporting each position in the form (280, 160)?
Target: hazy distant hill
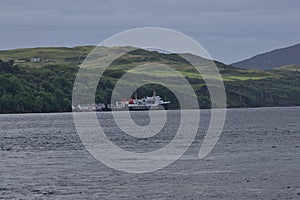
(276, 58)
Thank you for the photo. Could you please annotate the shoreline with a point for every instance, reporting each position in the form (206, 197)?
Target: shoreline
(203, 109)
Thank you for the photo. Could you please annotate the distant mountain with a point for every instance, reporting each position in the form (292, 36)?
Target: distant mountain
(276, 58)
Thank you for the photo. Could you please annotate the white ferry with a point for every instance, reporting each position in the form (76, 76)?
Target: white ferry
(146, 103)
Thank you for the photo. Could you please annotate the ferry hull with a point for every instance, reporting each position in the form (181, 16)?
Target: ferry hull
(144, 107)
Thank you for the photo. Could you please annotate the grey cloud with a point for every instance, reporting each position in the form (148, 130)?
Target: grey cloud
(246, 27)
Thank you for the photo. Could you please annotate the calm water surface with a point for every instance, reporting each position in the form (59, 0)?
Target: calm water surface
(257, 157)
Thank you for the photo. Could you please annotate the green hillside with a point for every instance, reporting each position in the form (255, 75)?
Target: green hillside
(293, 67)
(41, 79)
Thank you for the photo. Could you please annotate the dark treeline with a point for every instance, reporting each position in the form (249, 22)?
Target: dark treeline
(46, 89)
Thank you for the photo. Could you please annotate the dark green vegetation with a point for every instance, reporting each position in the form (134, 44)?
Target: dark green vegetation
(46, 85)
(272, 59)
(46, 89)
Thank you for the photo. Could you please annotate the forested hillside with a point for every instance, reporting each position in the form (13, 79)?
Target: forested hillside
(46, 85)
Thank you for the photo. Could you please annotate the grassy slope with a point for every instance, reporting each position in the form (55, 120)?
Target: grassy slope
(48, 55)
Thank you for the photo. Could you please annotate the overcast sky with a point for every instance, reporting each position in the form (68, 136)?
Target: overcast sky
(230, 30)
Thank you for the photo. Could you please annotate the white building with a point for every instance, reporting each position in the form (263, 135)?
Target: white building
(35, 59)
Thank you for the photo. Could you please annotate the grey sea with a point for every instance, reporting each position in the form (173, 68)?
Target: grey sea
(256, 157)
